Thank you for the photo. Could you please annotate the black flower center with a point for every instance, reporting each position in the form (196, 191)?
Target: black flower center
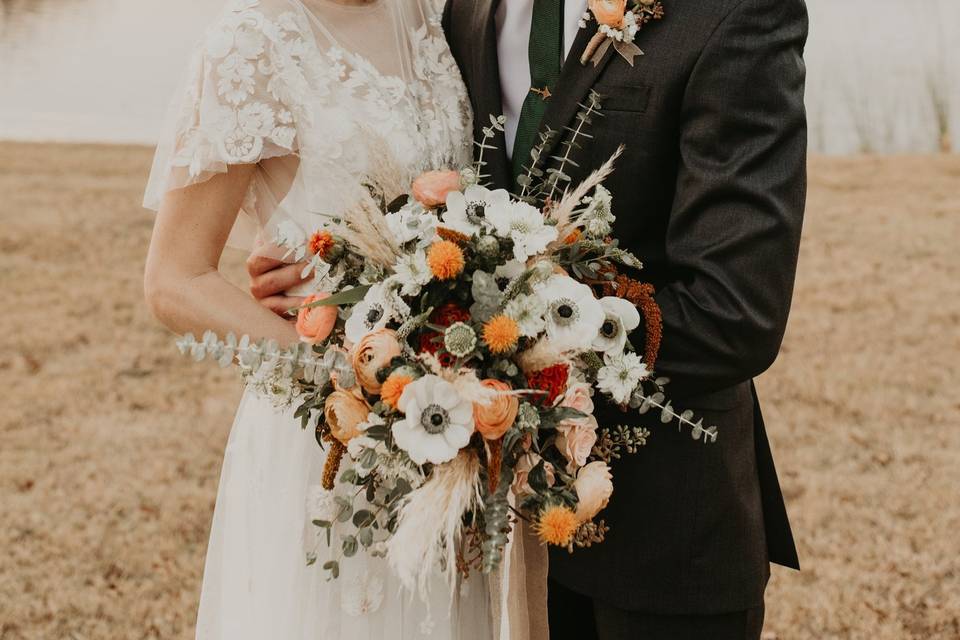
(374, 315)
(476, 210)
(434, 419)
(564, 312)
(609, 329)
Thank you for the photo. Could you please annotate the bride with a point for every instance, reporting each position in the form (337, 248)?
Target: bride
(287, 106)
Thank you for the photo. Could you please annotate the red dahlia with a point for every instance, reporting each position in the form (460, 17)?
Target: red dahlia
(552, 380)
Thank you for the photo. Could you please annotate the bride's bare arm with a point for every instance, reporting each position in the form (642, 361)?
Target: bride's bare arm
(183, 285)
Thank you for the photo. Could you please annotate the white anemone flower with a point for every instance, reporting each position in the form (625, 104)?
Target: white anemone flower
(368, 315)
(466, 211)
(437, 423)
(622, 317)
(620, 375)
(525, 225)
(413, 272)
(574, 316)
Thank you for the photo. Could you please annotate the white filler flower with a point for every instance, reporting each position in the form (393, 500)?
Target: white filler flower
(437, 423)
(412, 222)
(413, 272)
(524, 225)
(622, 317)
(466, 211)
(574, 316)
(620, 375)
(527, 312)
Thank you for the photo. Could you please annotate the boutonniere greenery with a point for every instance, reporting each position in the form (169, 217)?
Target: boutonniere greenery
(618, 25)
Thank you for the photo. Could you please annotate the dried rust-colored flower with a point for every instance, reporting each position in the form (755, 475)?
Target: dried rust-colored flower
(332, 466)
(452, 235)
(494, 463)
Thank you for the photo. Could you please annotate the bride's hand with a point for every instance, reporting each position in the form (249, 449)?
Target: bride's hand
(270, 278)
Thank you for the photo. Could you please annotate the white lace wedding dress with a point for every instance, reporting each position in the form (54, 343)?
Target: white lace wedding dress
(315, 93)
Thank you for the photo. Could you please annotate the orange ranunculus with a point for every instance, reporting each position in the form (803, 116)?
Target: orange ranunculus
(432, 187)
(374, 351)
(494, 418)
(393, 387)
(609, 12)
(315, 324)
(343, 412)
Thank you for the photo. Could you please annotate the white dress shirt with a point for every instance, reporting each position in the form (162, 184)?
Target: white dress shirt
(513, 43)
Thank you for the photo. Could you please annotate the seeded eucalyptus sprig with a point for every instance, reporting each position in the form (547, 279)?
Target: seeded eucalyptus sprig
(557, 176)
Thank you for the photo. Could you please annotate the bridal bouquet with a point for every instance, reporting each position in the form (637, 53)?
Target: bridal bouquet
(450, 360)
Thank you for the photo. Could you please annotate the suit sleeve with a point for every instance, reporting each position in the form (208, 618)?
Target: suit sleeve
(734, 231)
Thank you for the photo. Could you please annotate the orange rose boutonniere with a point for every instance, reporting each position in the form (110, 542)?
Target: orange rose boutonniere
(617, 26)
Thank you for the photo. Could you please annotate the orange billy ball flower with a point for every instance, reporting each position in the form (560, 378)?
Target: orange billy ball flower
(445, 259)
(572, 237)
(501, 333)
(557, 525)
(393, 386)
(321, 242)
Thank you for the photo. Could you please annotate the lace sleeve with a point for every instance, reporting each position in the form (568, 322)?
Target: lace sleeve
(239, 103)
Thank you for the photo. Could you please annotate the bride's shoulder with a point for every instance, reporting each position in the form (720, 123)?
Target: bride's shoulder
(253, 23)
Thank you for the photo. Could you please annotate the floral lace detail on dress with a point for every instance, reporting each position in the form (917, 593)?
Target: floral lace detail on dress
(262, 84)
(250, 87)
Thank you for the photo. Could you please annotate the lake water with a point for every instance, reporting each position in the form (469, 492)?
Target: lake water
(884, 75)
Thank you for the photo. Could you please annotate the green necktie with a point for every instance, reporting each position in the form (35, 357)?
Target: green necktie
(546, 54)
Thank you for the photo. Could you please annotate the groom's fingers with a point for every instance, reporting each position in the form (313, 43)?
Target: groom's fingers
(270, 277)
(281, 305)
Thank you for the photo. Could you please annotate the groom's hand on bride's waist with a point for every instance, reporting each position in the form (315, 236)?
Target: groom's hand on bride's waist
(269, 281)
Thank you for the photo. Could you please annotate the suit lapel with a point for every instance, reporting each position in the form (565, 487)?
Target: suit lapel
(485, 70)
(574, 84)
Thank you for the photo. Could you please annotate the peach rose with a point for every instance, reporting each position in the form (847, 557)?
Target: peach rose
(496, 417)
(374, 351)
(432, 187)
(578, 397)
(575, 440)
(315, 324)
(526, 464)
(594, 486)
(343, 411)
(609, 12)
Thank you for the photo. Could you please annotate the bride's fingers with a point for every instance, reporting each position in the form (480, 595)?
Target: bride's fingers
(258, 265)
(276, 280)
(282, 305)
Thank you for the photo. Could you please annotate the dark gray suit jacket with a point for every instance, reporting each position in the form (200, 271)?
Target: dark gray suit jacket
(710, 195)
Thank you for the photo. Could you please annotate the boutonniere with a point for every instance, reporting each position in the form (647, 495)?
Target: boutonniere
(618, 26)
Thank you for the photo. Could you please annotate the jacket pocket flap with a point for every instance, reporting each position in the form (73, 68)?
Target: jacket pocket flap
(634, 98)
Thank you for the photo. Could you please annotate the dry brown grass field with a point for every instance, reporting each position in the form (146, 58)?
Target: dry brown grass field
(110, 442)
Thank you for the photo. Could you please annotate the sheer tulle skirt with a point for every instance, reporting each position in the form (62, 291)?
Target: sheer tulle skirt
(257, 584)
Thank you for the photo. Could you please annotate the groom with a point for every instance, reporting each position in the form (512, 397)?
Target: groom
(710, 194)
